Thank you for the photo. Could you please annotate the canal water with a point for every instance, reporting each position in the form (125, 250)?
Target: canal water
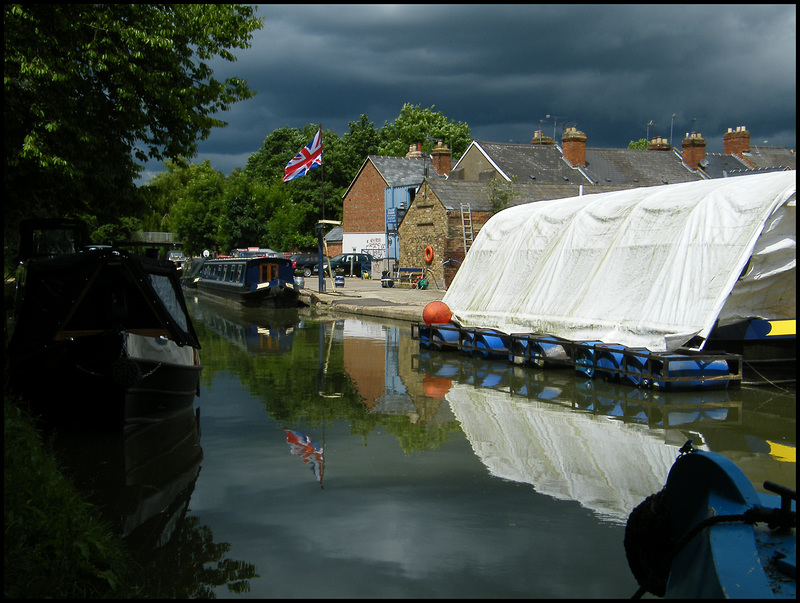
(332, 457)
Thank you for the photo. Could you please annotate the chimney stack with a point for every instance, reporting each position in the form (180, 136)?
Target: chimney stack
(540, 139)
(694, 150)
(440, 157)
(659, 143)
(574, 145)
(736, 142)
(414, 151)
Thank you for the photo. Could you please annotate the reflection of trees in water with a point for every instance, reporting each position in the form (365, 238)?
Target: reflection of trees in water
(289, 384)
(191, 565)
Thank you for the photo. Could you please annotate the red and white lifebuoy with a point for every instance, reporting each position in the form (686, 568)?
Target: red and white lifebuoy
(429, 254)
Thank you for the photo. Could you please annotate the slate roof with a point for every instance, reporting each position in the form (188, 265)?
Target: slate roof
(543, 164)
(766, 159)
(402, 171)
(453, 193)
(334, 234)
(529, 163)
(637, 167)
(773, 158)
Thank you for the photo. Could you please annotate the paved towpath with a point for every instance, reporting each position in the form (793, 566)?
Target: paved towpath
(368, 298)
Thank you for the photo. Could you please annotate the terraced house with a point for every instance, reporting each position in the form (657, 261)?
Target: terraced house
(447, 214)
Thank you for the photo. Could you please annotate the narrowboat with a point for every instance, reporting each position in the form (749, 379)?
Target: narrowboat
(99, 335)
(256, 281)
(768, 349)
(709, 534)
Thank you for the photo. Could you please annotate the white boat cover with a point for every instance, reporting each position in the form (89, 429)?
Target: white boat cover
(649, 267)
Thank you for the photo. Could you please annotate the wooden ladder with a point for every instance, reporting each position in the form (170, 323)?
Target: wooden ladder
(466, 226)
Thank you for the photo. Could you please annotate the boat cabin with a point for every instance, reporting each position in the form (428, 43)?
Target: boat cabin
(247, 272)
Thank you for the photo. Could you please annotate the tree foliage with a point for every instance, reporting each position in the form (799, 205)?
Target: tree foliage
(639, 145)
(89, 89)
(256, 207)
(500, 194)
(416, 125)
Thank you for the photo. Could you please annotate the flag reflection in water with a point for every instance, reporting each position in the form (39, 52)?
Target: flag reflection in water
(302, 446)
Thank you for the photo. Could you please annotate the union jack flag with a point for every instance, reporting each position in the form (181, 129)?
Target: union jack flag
(301, 445)
(309, 157)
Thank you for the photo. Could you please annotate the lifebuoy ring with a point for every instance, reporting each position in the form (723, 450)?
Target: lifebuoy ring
(429, 254)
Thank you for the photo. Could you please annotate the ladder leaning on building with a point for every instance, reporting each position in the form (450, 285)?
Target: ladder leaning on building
(466, 226)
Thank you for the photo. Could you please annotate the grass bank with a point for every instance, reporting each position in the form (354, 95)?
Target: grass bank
(55, 545)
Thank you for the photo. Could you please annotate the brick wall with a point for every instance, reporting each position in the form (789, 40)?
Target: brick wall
(363, 206)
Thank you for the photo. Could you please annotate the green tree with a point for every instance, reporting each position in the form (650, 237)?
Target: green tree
(246, 205)
(295, 206)
(500, 194)
(89, 89)
(639, 145)
(417, 125)
(198, 214)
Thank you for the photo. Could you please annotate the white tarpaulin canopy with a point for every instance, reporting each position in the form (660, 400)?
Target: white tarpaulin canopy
(648, 267)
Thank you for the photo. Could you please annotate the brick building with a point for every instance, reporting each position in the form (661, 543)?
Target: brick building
(379, 196)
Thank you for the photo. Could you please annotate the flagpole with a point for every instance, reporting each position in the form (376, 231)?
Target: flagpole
(322, 167)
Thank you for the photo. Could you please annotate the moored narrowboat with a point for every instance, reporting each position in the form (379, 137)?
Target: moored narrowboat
(99, 335)
(257, 281)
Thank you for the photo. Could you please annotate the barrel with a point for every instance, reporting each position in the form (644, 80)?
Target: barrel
(338, 281)
(299, 282)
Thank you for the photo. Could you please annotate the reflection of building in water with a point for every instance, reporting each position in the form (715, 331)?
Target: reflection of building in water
(378, 361)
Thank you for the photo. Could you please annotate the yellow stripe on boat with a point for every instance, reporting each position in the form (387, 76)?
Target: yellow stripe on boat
(782, 327)
(782, 452)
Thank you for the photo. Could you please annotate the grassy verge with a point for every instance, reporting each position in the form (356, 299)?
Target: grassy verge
(54, 544)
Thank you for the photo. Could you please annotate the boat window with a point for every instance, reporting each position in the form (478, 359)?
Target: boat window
(269, 272)
(239, 270)
(165, 290)
(227, 275)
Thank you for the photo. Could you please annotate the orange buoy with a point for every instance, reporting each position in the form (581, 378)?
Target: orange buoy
(436, 387)
(436, 312)
(429, 254)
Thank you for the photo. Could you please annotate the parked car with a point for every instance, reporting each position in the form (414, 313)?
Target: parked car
(307, 262)
(351, 264)
(176, 255)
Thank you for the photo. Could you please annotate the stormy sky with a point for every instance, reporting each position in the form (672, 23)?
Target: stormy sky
(609, 70)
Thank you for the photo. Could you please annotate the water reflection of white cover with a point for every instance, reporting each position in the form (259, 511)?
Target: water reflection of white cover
(606, 465)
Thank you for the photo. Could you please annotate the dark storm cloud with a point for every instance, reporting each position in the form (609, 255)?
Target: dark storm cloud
(501, 69)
